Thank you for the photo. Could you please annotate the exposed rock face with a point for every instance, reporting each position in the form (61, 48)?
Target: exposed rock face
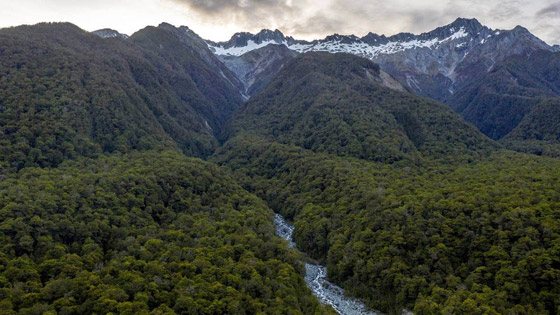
(256, 68)
(109, 33)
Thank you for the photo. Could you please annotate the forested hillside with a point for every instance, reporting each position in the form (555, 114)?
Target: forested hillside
(68, 93)
(140, 233)
(539, 131)
(340, 104)
(468, 228)
(93, 219)
(442, 239)
(498, 102)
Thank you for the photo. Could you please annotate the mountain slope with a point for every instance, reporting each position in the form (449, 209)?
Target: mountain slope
(539, 131)
(493, 78)
(186, 60)
(497, 103)
(68, 93)
(257, 67)
(433, 64)
(409, 206)
(340, 103)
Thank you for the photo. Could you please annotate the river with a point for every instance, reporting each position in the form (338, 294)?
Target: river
(316, 279)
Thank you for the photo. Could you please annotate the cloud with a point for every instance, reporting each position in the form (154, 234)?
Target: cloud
(547, 22)
(317, 24)
(306, 19)
(314, 19)
(217, 6)
(246, 15)
(551, 10)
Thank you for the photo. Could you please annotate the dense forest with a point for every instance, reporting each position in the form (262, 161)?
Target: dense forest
(467, 228)
(141, 233)
(67, 93)
(512, 90)
(539, 131)
(100, 210)
(107, 206)
(480, 238)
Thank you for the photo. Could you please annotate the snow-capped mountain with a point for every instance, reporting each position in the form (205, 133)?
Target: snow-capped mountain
(109, 33)
(433, 64)
(370, 45)
(241, 43)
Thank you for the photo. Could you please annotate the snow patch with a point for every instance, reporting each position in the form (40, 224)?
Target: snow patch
(357, 48)
(238, 51)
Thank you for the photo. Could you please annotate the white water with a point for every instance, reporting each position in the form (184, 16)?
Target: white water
(316, 279)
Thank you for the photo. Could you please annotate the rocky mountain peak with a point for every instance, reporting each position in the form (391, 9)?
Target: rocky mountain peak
(374, 39)
(109, 33)
(242, 39)
(471, 25)
(465, 27)
(343, 39)
(269, 35)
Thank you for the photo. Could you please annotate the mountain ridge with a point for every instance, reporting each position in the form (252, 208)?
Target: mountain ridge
(432, 64)
(344, 105)
(71, 93)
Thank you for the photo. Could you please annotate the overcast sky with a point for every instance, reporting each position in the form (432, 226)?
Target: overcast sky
(304, 19)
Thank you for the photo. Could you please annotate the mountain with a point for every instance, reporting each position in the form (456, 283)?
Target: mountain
(491, 77)
(345, 105)
(499, 101)
(186, 55)
(408, 206)
(100, 211)
(241, 43)
(69, 93)
(109, 33)
(256, 68)
(539, 131)
(434, 64)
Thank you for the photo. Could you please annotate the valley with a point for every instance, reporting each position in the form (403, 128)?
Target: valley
(316, 278)
(155, 173)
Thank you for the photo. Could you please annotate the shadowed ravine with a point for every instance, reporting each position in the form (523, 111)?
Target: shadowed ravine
(316, 279)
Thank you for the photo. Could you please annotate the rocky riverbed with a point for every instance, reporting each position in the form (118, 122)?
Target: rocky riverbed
(316, 279)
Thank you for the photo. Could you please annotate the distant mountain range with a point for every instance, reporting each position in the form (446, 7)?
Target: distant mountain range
(454, 64)
(433, 64)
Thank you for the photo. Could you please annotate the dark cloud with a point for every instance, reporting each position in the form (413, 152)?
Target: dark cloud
(317, 24)
(308, 19)
(505, 10)
(248, 15)
(551, 10)
(316, 19)
(213, 7)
